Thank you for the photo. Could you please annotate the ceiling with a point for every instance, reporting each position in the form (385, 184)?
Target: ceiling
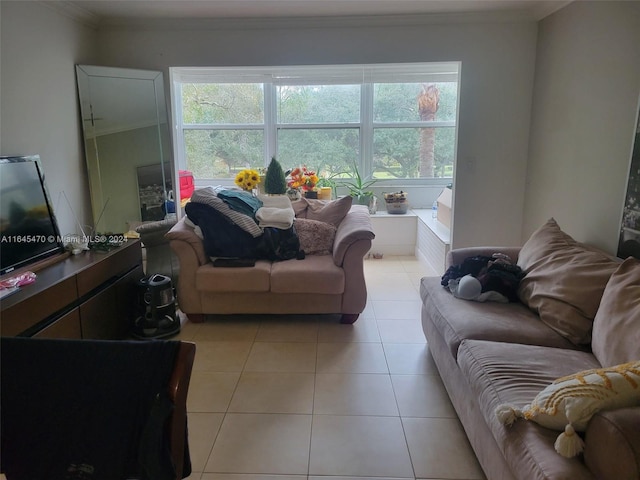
(114, 11)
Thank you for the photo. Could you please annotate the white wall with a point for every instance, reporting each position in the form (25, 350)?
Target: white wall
(39, 111)
(584, 109)
(497, 56)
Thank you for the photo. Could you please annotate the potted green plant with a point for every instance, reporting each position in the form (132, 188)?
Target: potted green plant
(360, 189)
(274, 180)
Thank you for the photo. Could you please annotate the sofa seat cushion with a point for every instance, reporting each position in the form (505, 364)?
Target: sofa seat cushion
(505, 373)
(230, 279)
(458, 319)
(315, 274)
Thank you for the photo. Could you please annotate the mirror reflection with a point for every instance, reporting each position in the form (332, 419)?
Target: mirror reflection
(127, 146)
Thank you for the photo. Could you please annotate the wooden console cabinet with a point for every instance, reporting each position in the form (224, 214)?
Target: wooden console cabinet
(90, 295)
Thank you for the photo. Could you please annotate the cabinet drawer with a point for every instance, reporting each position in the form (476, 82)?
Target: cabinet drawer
(17, 318)
(119, 261)
(67, 326)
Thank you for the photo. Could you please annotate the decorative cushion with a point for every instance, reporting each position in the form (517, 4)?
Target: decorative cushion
(332, 211)
(569, 402)
(616, 327)
(316, 238)
(564, 281)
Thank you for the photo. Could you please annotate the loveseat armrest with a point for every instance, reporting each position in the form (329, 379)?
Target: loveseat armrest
(181, 232)
(457, 256)
(189, 249)
(356, 226)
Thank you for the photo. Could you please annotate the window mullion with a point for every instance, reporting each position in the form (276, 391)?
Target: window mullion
(366, 130)
(270, 122)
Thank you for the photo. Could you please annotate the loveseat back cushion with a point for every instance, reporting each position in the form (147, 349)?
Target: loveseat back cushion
(564, 281)
(612, 444)
(332, 211)
(616, 327)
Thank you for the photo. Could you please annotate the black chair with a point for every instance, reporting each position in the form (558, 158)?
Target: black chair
(94, 409)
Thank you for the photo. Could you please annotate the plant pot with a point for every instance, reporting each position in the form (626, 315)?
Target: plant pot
(397, 203)
(369, 200)
(311, 194)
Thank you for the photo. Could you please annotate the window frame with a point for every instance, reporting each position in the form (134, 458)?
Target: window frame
(366, 76)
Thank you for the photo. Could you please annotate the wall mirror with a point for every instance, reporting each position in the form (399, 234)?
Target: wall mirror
(127, 146)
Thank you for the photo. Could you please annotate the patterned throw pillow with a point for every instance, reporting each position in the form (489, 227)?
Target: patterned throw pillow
(569, 402)
(316, 238)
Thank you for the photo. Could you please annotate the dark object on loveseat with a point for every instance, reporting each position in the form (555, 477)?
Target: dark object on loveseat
(101, 410)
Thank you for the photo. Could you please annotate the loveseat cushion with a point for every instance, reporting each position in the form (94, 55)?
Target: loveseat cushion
(504, 373)
(564, 281)
(458, 319)
(616, 328)
(316, 274)
(231, 279)
(332, 211)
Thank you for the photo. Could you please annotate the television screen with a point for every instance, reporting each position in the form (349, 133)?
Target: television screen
(28, 228)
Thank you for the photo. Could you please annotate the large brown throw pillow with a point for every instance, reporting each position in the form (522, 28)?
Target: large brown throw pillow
(616, 328)
(564, 281)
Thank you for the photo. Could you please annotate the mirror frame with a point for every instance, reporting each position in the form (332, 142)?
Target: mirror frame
(84, 75)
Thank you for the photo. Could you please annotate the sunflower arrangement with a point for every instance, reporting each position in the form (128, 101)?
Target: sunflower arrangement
(247, 179)
(302, 178)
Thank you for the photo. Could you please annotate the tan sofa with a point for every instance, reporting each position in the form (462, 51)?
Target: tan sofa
(490, 354)
(324, 284)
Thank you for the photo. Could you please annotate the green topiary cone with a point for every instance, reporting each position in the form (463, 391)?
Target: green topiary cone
(274, 181)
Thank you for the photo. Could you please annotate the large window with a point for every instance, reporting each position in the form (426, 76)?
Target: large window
(397, 123)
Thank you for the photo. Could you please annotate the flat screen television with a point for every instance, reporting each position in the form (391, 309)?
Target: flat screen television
(28, 228)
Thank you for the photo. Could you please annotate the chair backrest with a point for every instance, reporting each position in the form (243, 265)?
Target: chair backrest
(94, 409)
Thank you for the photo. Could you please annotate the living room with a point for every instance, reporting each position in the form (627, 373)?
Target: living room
(548, 105)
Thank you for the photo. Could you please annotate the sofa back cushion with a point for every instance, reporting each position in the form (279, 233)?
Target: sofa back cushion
(616, 327)
(564, 281)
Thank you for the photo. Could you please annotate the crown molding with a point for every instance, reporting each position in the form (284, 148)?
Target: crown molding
(120, 23)
(548, 8)
(73, 11)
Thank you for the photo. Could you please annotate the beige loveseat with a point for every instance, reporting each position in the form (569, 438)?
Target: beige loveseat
(332, 283)
(579, 310)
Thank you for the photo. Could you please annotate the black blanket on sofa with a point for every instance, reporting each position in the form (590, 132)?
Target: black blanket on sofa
(222, 238)
(86, 409)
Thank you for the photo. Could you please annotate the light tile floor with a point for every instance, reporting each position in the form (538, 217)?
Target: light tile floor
(306, 398)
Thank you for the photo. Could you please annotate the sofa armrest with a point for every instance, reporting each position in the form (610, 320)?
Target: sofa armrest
(355, 226)
(612, 444)
(457, 256)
